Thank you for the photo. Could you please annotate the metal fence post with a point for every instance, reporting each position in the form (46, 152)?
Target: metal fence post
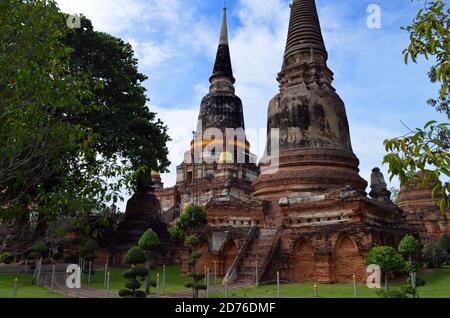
(89, 276)
(15, 287)
(38, 281)
(164, 280)
(106, 276)
(107, 284)
(207, 283)
(215, 272)
(256, 273)
(53, 277)
(26, 265)
(226, 287)
(278, 284)
(316, 292)
(355, 287)
(157, 285)
(65, 283)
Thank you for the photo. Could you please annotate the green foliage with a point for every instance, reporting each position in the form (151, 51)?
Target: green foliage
(434, 256)
(392, 293)
(74, 130)
(176, 233)
(422, 150)
(88, 249)
(394, 194)
(135, 256)
(149, 240)
(132, 283)
(192, 218)
(409, 247)
(419, 282)
(429, 34)
(427, 149)
(444, 243)
(386, 257)
(192, 241)
(6, 258)
(126, 127)
(124, 293)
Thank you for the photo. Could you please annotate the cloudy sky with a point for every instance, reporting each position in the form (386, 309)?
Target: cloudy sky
(176, 40)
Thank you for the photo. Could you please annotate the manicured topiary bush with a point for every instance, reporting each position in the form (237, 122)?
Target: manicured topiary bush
(135, 258)
(193, 218)
(148, 242)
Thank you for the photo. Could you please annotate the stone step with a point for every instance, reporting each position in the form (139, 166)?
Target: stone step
(248, 267)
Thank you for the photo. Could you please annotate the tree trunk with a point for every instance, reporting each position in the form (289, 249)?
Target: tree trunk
(386, 281)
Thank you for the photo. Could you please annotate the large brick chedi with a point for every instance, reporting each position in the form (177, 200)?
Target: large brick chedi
(315, 148)
(309, 217)
(218, 165)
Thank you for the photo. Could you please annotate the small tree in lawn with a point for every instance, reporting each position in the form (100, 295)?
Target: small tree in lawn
(135, 258)
(388, 259)
(148, 241)
(444, 244)
(192, 242)
(87, 252)
(410, 249)
(193, 218)
(433, 255)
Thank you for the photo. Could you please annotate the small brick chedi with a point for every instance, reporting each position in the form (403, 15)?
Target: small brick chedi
(422, 212)
(308, 216)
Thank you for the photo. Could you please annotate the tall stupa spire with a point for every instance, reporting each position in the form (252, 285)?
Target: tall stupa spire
(304, 35)
(222, 77)
(315, 151)
(224, 29)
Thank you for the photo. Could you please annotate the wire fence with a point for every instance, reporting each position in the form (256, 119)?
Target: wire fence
(50, 282)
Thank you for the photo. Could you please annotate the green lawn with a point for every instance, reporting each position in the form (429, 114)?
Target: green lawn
(175, 282)
(24, 287)
(438, 286)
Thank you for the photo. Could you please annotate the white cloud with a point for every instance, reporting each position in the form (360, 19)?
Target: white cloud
(181, 123)
(108, 16)
(151, 54)
(168, 34)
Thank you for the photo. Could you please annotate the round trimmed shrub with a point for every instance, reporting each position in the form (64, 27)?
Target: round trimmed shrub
(139, 294)
(125, 293)
(135, 256)
(132, 283)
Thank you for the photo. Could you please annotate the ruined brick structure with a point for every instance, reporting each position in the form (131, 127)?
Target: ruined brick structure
(422, 212)
(309, 217)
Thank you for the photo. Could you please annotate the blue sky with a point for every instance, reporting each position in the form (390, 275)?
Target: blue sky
(176, 41)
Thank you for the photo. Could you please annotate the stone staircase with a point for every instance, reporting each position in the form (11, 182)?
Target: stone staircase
(256, 256)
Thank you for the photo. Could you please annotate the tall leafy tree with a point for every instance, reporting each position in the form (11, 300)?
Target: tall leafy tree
(126, 127)
(389, 260)
(427, 149)
(74, 126)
